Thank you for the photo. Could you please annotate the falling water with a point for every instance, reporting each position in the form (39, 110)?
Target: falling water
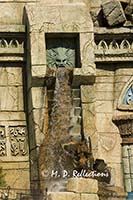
(52, 157)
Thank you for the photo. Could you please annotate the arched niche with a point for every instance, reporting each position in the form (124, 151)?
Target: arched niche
(125, 101)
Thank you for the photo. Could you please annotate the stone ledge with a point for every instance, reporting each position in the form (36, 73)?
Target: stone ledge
(63, 196)
(12, 28)
(82, 185)
(89, 197)
(101, 30)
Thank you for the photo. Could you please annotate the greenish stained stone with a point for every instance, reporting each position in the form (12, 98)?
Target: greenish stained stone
(61, 52)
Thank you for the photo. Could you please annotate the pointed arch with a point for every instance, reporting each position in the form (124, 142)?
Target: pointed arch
(126, 98)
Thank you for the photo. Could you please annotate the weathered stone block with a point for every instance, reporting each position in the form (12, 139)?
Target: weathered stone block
(12, 13)
(104, 87)
(38, 97)
(39, 71)
(113, 12)
(63, 196)
(37, 49)
(88, 111)
(102, 71)
(87, 94)
(105, 96)
(20, 99)
(82, 185)
(126, 70)
(104, 79)
(10, 76)
(84, 76)
(14, 75)
(17, 171)
(9, 98)
(104, 106)
(89, 197)
(96, 3)
(104, 123)
(87, 52)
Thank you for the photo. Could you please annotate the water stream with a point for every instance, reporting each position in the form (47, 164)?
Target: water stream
(52, 157)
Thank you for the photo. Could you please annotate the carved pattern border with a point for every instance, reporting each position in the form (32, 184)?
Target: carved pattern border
(18, 141)
(13, 142)
(3, 149)
(113, 50)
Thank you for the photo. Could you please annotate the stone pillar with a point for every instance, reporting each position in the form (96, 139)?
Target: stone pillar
(57, 20)
(109, 141)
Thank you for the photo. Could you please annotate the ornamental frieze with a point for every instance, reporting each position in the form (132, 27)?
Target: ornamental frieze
(13, 141)
(18, 141)
(2, 141)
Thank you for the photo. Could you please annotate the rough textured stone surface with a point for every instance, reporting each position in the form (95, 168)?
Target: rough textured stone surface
(12, 13)
(63, 196)
(17, 174)
(99, 97)
(82, 185)
(113, 12)
(89, 197)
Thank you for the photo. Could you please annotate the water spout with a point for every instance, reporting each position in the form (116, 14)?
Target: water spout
(52, 157)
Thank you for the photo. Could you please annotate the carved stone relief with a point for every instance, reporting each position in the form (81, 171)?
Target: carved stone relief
(11, 44)
(60, 52)
(18, 141)
(114, 45)
(107, 142)
(2, 141)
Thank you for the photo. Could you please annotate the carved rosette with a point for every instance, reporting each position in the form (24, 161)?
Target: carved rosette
(2, 141)
(18, 141)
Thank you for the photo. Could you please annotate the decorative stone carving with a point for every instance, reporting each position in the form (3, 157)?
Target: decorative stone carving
(60, 52)
(13, 43)
(3, 43)
(12, 48)
(125, 126)
(113, 50)
(125, 44)
(2, 142)
(102, 45)
(113, 45)
(126, 98)
(18, 141)
(73, 26)
(107, 142)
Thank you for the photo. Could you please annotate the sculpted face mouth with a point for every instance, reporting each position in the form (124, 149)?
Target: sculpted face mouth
(61, 55)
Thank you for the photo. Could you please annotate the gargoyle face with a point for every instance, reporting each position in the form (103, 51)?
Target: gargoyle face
(60, 53)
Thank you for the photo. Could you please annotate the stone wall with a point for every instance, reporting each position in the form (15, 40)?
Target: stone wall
(14, 136)
(109, 146)
(105, 69)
